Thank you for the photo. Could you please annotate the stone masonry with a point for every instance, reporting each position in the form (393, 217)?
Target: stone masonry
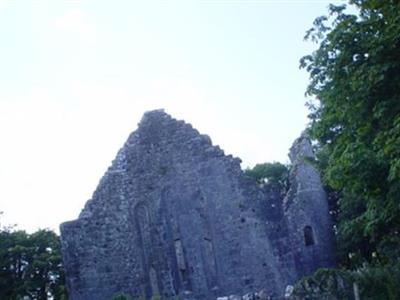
(173, 216)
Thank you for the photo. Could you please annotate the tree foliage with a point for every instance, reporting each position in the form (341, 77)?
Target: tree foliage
(30, 265)
(274, 172)
(355, 81)
(355, 119)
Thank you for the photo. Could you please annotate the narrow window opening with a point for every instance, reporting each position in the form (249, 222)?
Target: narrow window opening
(209, 261)
(308, 236)
(180, 260)
(153, 281)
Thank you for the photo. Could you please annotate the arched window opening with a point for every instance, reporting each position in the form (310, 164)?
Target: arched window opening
(308, 236)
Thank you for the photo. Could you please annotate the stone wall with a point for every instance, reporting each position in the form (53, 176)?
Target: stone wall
(174, 216)
(307, 212)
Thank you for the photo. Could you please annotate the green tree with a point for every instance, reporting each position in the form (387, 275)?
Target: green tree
(13, 263)
(355, 118)
(274, 172)
(30, 265)
(355, 77)
(45, 266)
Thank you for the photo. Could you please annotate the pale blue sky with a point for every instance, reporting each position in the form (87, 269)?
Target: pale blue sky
(76, 76)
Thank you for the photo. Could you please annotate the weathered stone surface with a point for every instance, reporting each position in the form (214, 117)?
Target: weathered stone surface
(263, 295)
(307, 213)
(288, 291)
(174, 216)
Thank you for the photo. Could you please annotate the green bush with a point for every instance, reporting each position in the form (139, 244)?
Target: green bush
(325, 284)
(121, 296)
(374, 282)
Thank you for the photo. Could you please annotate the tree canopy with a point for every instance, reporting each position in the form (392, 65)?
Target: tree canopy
(274, 172)
(355, 119)
(30, 265)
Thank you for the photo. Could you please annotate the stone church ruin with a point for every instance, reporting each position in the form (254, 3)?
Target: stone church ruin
(174, 216)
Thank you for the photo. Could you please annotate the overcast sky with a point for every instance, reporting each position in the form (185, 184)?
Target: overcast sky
(76, 77)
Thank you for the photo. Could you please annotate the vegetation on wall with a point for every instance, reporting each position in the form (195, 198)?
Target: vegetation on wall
(355, 120)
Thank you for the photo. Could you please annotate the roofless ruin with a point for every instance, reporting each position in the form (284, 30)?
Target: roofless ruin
(175, 216)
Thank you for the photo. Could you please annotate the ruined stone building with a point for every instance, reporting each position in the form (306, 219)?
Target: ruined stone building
(175, 216)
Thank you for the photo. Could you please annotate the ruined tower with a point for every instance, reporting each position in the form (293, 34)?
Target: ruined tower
(307, 212)
(175, 216)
